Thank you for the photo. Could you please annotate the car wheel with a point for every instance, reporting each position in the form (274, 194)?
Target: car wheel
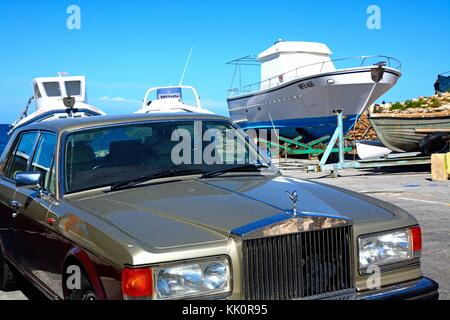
(7, 277)
(86, 292)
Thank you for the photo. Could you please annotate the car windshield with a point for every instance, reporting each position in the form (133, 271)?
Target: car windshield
(115, 155)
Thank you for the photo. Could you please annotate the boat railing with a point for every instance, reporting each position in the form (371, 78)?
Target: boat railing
(320, 67)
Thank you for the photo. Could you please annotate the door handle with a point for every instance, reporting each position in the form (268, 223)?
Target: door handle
(16, 206)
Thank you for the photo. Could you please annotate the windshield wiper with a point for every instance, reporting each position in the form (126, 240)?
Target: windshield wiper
(164, 174)
(244, 167)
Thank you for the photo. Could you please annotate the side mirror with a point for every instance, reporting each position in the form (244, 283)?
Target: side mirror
(28, 180)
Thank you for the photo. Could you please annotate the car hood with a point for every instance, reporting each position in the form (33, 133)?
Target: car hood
(201, 211)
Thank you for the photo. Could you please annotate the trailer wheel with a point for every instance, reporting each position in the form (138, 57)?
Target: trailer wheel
(438, 142)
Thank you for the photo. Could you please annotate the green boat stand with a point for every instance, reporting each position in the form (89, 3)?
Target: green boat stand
(294, 147)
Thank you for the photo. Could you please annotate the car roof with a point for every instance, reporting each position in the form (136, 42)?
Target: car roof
(71, 124)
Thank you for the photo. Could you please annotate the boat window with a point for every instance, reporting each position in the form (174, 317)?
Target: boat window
(43, 158)
(52, 89)
(37, 92)
(21, 155)
(73, 88)
(189, 97)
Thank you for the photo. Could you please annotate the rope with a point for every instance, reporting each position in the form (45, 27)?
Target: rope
(25, 111)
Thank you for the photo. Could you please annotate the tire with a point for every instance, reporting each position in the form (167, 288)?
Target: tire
(86, 292)
(7, 277)
(438, 142)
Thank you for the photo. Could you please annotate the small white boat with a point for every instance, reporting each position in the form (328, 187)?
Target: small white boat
(371, 149)
(48, 95)
(301, 86)
(171, 99)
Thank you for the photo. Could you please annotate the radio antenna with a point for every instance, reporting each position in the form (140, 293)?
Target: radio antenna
(186, 66)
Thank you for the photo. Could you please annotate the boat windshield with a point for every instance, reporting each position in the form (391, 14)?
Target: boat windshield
(73, 88)
(184, 95)
(52, 89)
(115, 155)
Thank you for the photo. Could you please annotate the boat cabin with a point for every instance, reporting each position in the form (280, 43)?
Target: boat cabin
(288, 60)
(50, 91)
(172, 99)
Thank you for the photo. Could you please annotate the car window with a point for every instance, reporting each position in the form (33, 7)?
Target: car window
(43, 157)
(106, 156)
(22, 154)
(51, 184)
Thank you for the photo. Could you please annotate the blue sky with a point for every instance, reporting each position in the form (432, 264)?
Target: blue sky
(124, 47)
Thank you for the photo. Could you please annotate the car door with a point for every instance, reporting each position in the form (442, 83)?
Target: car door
(18, 160)
(33, 206)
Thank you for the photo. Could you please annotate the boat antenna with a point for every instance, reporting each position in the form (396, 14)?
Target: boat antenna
(186, 66)
(63, 73)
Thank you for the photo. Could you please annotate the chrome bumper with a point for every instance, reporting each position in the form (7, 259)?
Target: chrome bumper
(422, 289)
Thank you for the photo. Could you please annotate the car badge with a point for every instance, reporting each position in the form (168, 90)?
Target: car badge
(294, 198)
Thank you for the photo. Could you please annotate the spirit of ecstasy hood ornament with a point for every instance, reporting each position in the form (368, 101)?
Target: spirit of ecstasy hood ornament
(294, 198)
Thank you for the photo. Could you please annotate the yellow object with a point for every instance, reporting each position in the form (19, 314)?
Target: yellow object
(447, 161)
(439, 167)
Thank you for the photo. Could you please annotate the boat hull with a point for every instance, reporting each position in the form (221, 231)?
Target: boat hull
(56, 111)
(306, 105)
(371, 149)
(399, 132)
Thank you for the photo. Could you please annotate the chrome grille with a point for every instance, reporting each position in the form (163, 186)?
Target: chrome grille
(298, 266)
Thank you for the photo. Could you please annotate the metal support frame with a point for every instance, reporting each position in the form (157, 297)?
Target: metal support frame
(296, 147)
(338, 137)
(393, 160)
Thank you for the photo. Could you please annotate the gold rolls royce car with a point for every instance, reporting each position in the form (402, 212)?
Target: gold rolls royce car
(161, 207)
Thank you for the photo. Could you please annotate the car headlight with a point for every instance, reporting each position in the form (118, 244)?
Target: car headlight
(192, 279)
(389, 247)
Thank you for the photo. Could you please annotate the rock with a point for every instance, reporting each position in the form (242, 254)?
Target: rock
(436, 103)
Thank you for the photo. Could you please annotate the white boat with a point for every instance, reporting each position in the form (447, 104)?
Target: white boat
(371, 149)
(301, 87)
(171, 99)
(48, 95)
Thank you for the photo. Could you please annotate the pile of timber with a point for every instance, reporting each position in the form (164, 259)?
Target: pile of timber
(363, 129)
